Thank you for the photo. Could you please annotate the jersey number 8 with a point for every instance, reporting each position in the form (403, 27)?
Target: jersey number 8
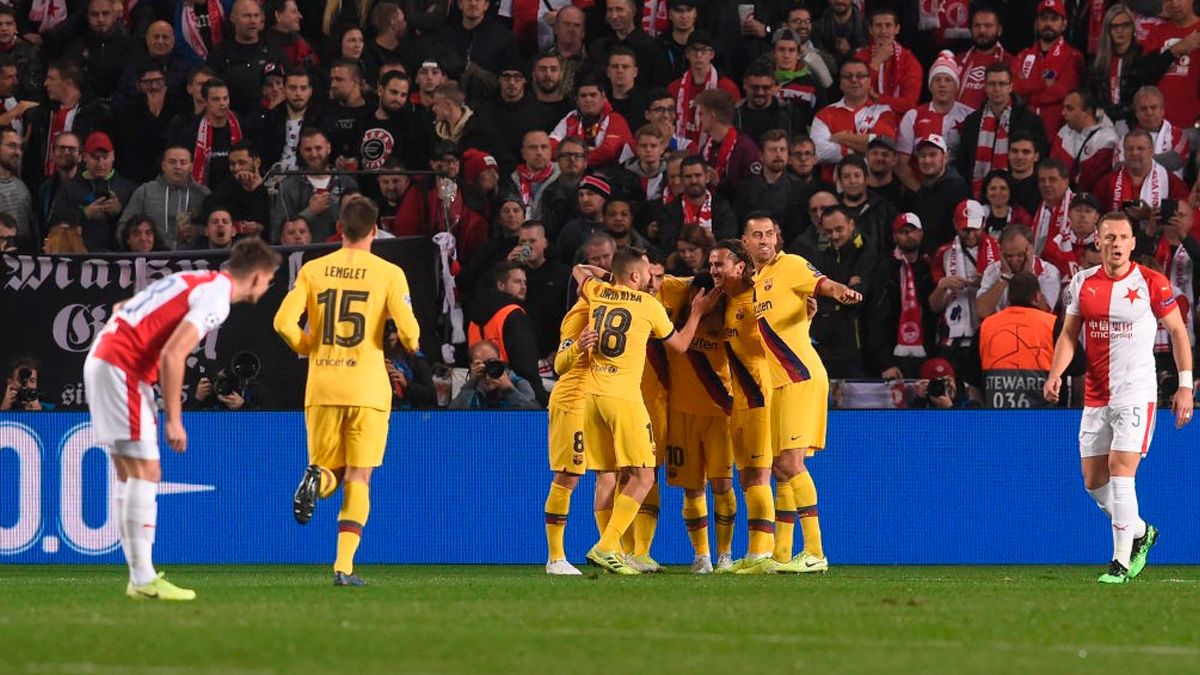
(612, 325)
(358, 322)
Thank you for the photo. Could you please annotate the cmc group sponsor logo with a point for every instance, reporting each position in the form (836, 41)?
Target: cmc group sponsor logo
(77, 514)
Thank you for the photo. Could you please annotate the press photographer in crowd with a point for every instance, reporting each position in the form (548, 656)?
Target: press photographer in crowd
(21, 386)
(232, 386)
(491, 384)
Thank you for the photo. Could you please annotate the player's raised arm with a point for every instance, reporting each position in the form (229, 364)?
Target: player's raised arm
(841, 292)
(287, 318)
(1064, 351)
(171, 366)
(399, 304)
(703, 303)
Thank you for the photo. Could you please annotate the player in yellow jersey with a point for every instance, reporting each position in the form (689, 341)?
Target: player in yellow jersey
(348, 296)
(655, 379)
(699, 451)
(568, 460)
(749, 421)
(783, 283)
(625, 317)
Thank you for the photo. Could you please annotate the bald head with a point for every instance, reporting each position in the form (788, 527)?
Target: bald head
(247, 19)
(160, 39)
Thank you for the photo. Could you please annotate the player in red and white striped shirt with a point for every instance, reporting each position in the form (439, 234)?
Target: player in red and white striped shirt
(150, 336)
(1118, 306)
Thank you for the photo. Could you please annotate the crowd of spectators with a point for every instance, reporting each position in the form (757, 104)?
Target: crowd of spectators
(928, 154)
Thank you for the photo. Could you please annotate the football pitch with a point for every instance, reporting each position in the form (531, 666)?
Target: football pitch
(424, 619)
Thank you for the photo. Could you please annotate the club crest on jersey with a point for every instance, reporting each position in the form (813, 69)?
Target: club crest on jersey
(377, 146)
(739, 314)
(767, 283)
(1049, 74)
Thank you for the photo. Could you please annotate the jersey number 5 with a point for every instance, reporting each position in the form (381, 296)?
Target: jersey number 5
(612, 325)
(357, 321)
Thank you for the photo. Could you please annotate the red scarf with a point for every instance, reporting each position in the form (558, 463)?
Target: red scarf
(1036, 58)
(654, 17)
(991, 148)
(191, 31)
(592, 133)
(1179, 268)
(701, 216)
(721, 162)
(1049, 223)
(910, 332)
(61, 120)
(887, 80)
(1154, 187)
(529, 178)
(204, 141)
(1115, 64)
(945, 18)
(686, 122)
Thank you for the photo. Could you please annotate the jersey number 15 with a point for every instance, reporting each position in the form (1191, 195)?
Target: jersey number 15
(344, 313)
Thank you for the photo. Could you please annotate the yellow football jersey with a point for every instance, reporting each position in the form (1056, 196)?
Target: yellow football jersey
(570, 363)
(625, 320)
(700, 376)
(781, 292)
(348, 296)
(748, 366)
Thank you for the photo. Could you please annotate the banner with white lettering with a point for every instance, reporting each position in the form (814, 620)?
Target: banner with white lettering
(1012, 388)
(53, 307)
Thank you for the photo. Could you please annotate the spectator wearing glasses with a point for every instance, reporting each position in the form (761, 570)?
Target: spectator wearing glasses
(65, 153)
(1115, 72)
(820, 62)
(764, 110)
(661, 114)
(557, 200)
(811, 237)
(142, 123)
(846, 126)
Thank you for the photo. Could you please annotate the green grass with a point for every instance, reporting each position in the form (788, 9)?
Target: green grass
(265, 619)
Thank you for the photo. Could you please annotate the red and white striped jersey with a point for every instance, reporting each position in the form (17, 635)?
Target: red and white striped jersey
(869, 118)
(134, 338)
(923, 120)
(1119, 321)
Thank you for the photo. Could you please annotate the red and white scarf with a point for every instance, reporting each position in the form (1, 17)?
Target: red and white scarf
(191, 28)
(701, 216)
(204, 142)
(1051, 222)
(947, 19)
(1154, 187)
(887, 80)
(528, 179)
(653, 186)
(593, 133)
(960, 311)
(910, 333)
(1179, 269)
(721, 162)
(47, 13)
(991, 149)
(61, 120)
(687, 123)
(1115, 65)
(654, 17)
(1034, 57)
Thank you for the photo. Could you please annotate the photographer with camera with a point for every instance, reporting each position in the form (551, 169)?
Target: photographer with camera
(230, 387)
(21, 388)
(939, 389)
(492, 385)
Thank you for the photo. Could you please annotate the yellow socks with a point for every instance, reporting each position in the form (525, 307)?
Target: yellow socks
(725, 513)
(625, 509)
(558, 504)
(602, 518)
(760, 520)
(646, 523)
(356, 504)
(785, 521)
(695, 517)
(627, 539)
(806, 505)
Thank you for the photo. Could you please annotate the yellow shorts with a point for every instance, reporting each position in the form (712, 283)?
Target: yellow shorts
(698, 448)
(617, 434)
(567, 441)
(750, 433)
(799, 412)
(340, 435)
(657, 408)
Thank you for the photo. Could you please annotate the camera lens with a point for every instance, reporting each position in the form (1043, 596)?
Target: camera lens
(494, 368)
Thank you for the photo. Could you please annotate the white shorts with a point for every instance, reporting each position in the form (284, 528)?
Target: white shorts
(1126, 428)
(124, 413)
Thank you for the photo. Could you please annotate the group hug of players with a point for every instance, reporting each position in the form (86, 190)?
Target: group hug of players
(732, 377)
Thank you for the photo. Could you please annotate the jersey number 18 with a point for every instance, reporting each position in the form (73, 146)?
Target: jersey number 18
(612, 325)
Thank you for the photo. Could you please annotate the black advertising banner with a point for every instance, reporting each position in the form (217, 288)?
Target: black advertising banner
(52, 307)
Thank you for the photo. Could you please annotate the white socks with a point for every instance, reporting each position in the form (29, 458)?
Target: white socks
(117, 510)
(140, 520)
(1103, 497)
(1126, 523)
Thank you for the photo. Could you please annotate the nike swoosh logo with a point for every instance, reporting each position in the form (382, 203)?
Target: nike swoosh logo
(795, 438)
(144, 594)
(756, 456)
(812, 564)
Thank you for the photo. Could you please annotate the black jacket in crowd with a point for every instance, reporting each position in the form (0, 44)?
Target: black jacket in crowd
(1021, 122)
(934, 205)
(881, 313)
(835, 327)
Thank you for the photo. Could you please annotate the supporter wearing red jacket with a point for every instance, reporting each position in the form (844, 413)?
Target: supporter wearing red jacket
(896, 74)
(606, 132)
(1046, 72)
(985, 36)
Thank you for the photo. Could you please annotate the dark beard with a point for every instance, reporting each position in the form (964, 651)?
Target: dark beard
(984, 44)
(909, 249)
(1048, 35)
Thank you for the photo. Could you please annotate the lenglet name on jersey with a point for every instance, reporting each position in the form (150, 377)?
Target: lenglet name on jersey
(338, 272)
(620, 294)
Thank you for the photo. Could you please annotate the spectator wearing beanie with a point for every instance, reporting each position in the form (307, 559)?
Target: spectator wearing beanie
(482, 182)
(943, 115)
(594, 191)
